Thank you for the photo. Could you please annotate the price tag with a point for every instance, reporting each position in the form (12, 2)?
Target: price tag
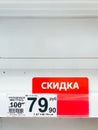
(34, 105)
(41, 105)
(46, 105)
(16, 105)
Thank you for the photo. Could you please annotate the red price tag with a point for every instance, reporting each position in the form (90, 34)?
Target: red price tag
(72, 93)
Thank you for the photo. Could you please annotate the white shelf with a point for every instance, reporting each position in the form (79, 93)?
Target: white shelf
(48, 63)
(55, 8)
(19, 83)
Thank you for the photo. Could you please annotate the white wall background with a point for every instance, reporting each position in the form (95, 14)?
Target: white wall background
(33, 37)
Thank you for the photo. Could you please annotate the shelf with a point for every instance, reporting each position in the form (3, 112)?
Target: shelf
(49, 63)
(22, 83)
(55, 8)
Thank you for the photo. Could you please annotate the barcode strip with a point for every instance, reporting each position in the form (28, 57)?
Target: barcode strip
(18, 111)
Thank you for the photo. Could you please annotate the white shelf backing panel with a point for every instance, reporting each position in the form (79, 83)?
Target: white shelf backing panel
(47, 8)
(48, 38)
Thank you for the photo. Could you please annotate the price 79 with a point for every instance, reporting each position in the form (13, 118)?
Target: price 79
(42, 103)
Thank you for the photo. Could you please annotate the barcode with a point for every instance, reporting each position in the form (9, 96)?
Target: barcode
(17, 111)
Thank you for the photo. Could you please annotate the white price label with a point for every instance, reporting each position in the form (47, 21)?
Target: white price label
(16, 104)
(42, 105)
(39, 105)
(34, 105)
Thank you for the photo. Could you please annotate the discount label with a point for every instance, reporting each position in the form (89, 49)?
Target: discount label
(44, 105)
